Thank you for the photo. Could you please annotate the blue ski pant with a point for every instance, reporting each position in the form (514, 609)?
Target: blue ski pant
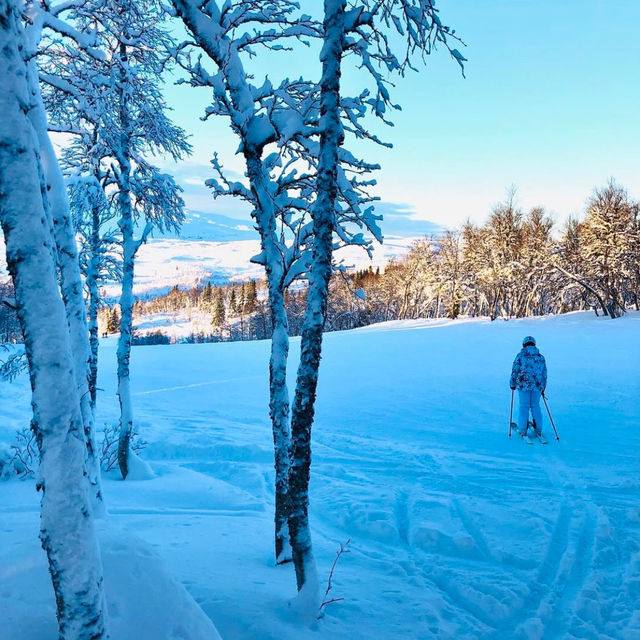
(529, 401)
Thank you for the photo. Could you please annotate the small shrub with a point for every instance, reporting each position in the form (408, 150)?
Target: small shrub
(109, 448)
(19, 459)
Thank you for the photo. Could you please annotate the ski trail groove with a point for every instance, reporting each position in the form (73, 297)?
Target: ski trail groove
(545, 578)
(567, 591)
(420, 562)
(556, 549)
(458, 601)
(473, 530)
(193, 386)
(401, 512)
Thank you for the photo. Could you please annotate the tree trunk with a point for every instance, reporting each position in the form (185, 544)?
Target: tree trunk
(94, 304)
(331, 137)
(124, 341)
(56, 205)
(279, 413)
(226, 58)
(587, 287)
(129, 249)
(66, 527)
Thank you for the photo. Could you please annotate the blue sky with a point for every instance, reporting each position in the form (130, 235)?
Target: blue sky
(550, 103)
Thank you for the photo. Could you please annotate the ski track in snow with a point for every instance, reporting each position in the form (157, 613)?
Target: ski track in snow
(456, 531)
(193, 386)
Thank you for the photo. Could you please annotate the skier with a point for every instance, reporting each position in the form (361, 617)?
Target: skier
(529, 377)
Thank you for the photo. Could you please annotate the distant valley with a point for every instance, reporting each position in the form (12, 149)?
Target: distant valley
(218, 248)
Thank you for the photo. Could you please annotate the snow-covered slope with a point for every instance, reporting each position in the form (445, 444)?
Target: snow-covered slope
(215, 247)
(164, 263)
(456, 530)
(219, 248)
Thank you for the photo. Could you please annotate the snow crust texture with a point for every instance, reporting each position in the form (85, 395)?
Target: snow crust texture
(456, 530)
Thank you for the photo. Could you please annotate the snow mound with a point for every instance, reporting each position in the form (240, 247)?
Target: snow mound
(144, 601)
(139, 469)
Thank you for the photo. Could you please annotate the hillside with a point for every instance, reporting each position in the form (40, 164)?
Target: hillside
(215, 247)
(456, 530)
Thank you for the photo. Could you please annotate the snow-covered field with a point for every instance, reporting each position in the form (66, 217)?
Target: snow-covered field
(218, 248)
(456, 531)
(164, 263)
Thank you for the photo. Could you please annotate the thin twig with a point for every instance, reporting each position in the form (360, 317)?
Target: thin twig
(326, 600)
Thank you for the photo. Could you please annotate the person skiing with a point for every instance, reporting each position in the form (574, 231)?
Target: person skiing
(529, 377)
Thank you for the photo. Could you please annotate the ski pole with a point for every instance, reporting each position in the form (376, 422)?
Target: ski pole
(511, 413)
(550, 418)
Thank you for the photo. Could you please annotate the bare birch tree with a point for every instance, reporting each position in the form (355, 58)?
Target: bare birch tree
(364, 29)
(276, 125)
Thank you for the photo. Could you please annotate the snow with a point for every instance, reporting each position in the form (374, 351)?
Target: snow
(161, 264)
(456, 530)
(141, 593)
(211, 247)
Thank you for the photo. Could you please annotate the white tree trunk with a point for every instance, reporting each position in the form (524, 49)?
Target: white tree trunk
(279, 412)
(67, 529)
(219, 48)
(57, 208)
(124, 346)
(94, 304)
(278, 390)
(129, 248)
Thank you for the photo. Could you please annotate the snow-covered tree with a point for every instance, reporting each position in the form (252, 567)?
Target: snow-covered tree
(112, 324)
(607, 250)
(76, 92)
(451, 273)
(218, 315)
(9, 325)
(250, 297)
(277, 125)
(41, 251)
(110, 175)
(291, 137)
(46, 23)
(365, 29)
(93, 216)
(134, 39)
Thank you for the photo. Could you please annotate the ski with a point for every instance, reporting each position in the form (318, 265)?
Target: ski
(540, 437)
(531, 427)
(531, 436)
(524, 436)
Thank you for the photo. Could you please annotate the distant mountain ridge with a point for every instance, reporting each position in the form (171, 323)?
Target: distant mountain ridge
(397, 221)
(213, 227)
(218, 247)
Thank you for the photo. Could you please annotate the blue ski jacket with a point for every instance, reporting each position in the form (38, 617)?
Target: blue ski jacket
(529, 370)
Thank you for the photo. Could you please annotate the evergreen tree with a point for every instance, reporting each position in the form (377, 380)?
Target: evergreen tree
(250, 297)
(218, 316)
(207, 296)
(241, 299)
(113, 320)
(233, 304)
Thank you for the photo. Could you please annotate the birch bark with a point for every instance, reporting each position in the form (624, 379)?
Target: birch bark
(66, 526)
(223, 53)
(56, 206)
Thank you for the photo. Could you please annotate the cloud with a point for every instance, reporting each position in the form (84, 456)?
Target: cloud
(399, 219)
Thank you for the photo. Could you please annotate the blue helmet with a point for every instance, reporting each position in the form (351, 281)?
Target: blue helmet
(529, 340)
